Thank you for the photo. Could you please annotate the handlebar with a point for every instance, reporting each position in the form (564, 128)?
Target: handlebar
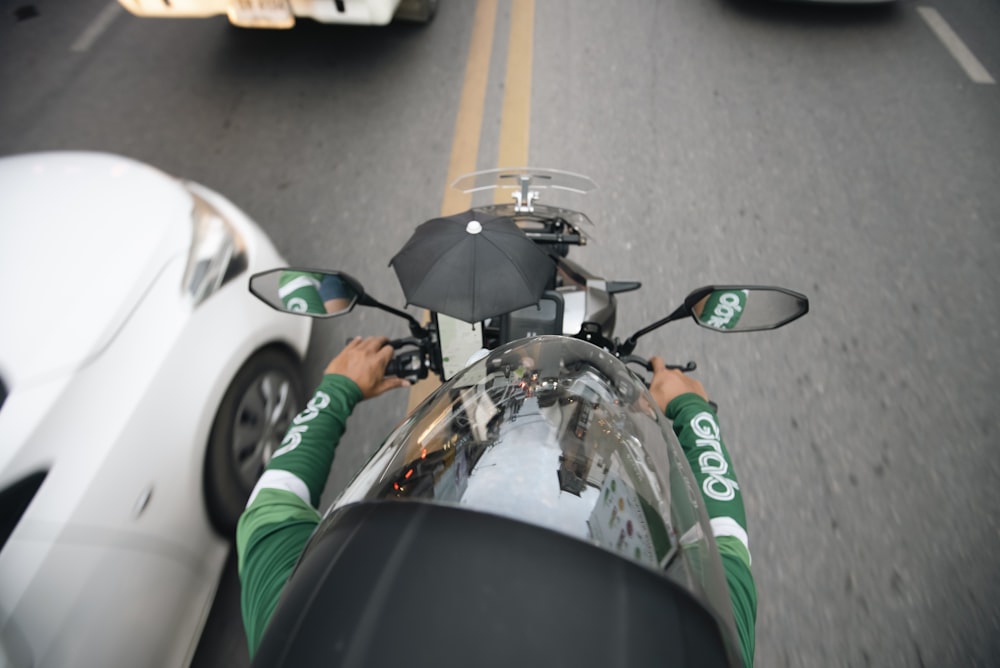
(648, 366)
(413, 365)
(409, 364)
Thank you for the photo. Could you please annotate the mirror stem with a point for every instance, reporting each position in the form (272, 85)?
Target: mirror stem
(416, 329)
(628, 345)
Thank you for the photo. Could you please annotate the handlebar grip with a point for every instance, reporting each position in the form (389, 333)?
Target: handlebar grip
(409, 365)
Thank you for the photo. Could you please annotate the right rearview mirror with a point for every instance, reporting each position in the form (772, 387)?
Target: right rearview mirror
(319, 294)
(745, 308)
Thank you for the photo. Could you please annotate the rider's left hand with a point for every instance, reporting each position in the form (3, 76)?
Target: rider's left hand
(364, 362)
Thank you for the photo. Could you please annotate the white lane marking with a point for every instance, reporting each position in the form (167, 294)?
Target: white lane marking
(956, 46)
(100, 23)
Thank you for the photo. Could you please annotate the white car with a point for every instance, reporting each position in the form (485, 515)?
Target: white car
(143, 388)
(282, 13)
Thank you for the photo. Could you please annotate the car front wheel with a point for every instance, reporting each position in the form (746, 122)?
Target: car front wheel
(252, 419)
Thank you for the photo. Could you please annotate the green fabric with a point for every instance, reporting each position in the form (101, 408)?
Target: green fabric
(305, 298)
(697, 429)
(274, 528)
(269, 539)
(724, 308)
(742, 592)
(307, 449)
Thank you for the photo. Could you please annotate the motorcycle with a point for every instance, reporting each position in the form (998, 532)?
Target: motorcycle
(550, 510)
(574, 302)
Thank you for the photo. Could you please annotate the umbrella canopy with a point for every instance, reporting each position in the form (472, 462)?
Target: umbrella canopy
(472, 267)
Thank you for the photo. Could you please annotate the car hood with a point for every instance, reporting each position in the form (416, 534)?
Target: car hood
(82, 237)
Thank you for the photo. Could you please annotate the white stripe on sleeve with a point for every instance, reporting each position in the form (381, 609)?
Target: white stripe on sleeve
(278, 479)
(727, 526)
(296, 283)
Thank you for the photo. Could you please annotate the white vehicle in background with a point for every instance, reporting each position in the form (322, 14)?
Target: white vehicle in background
(142, 392)
(282, 13)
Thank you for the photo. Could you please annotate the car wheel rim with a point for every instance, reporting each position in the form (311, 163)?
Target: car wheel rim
(262, 417)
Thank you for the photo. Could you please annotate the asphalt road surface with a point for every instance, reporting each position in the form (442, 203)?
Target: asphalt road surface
(851, 153)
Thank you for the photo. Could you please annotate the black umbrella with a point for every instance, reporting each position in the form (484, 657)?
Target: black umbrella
(472, 267)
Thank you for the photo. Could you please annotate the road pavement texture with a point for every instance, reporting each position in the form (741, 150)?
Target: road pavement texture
(845, 152)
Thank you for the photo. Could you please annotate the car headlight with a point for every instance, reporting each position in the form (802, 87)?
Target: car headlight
(217, 253)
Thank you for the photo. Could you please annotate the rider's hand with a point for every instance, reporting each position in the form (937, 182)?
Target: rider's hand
(668, 384)
(363, 361)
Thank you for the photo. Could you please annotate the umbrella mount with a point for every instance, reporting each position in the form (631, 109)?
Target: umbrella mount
(524, 198)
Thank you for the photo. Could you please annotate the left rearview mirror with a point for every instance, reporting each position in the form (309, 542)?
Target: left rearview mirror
(745, 308)
(318, 294)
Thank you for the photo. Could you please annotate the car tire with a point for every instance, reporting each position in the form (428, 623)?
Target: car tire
(252, 419)
(416, 11)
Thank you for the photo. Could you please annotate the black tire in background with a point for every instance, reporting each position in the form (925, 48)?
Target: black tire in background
(252, 419)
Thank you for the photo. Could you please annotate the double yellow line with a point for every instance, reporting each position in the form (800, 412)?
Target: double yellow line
(515, 115)
(515, 119)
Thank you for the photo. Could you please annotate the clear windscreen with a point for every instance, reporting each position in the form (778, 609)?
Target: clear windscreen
(505, 193)
(541, 179)
(557, 433)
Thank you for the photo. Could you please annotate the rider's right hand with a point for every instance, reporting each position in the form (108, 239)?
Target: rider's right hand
(668, 384)
(364, 361)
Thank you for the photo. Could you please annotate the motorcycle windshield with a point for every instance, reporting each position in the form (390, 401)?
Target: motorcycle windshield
(540, 179)
(510, 189)
(557, 433)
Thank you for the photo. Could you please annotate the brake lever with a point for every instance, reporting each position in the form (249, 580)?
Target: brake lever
(648, 366)
(687, 368)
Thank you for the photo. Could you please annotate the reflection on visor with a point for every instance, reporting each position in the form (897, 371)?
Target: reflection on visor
(548, 434)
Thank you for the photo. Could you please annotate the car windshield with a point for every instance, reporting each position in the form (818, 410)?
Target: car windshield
(558, 433)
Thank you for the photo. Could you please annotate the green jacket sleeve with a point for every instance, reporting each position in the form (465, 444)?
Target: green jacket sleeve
(722, 309)
(299, 291)
(697, 429)
(281, 514)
